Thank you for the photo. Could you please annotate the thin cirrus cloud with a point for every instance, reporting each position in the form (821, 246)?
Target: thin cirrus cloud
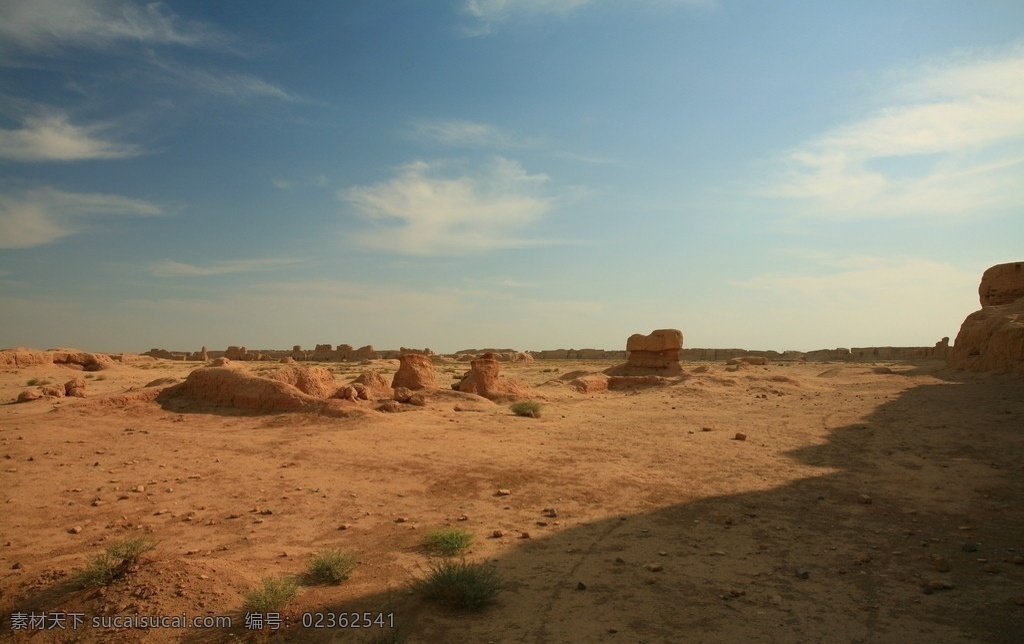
(44, 215)
(54, 138)
(44, 26)
(170, 268)
(439, 208)
(951, 142)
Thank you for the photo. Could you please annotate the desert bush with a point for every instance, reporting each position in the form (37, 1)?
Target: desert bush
(114, 562)
(526, 408)
(38, 382)
(460, 585)
(331, 566)
(448, 541)
(275, 594)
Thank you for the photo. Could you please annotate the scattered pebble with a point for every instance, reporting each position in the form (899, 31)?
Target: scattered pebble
(865, 499)
(497, 534)
(524, 535)
(550, 512)
(345, 526)
(802, 574)
(740, 436)
(503, 492)
(970, 547)
(580, 585)
(401, 519)
(941, 564)
(75, 530)
(463, 517)
(653, 567)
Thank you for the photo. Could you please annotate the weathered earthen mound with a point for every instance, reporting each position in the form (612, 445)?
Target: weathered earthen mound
(81, 359)
(75, 388)
(415, 371)
(1002, 284)
(751, 360)
(315, 381)
(228, 387)
(619, 383)
(374, 384)
(991, 339)
(22, 357)
(590, 383)
(483, 380)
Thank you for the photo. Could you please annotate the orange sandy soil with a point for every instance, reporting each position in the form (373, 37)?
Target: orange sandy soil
(869, 485)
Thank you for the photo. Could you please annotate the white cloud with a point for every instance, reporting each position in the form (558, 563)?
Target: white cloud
(170, 268)
(46, 25)
(950, 143)
(53, 138)
(424, 211)
(44, 215)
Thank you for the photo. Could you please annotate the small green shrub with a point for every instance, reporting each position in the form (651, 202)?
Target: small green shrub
(526, 408)
(275, 594)
(114, 562)
(460, 585)
(448, 541)
(331, 566)
(38, 382)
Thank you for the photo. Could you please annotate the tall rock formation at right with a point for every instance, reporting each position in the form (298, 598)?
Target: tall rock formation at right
(992, 339)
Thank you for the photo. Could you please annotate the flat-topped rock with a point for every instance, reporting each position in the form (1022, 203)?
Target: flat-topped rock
(1002, 284)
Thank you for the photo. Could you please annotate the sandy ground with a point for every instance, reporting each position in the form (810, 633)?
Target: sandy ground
(852, 493)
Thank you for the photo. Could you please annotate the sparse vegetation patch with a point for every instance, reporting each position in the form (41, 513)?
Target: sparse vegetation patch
(274, 594)
(460, 585)
(526, 408)
(448, 541)
(332, 566)
(114, 562)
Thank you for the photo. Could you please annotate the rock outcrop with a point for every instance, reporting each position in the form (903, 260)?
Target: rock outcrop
(1002, 284)
(415, 371)
(657, 352)
(992, 339)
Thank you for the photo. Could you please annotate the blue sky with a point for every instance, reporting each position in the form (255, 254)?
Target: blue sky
(509, 173)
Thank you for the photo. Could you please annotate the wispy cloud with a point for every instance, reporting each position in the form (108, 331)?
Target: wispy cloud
(53, 138)
(44, 215)
(471, 134)
(225, 84)
(856, 278)
(426, 209)
(170, 268)
(950, 143)
(44, 26)
(486, 136)
(489, 13)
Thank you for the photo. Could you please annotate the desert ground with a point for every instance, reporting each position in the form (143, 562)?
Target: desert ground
(862, 506)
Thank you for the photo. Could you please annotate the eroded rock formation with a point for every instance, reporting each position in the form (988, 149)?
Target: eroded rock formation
(658, 351)
(483, 379)
(992, 339)
(415, 371)
(1002, 284)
